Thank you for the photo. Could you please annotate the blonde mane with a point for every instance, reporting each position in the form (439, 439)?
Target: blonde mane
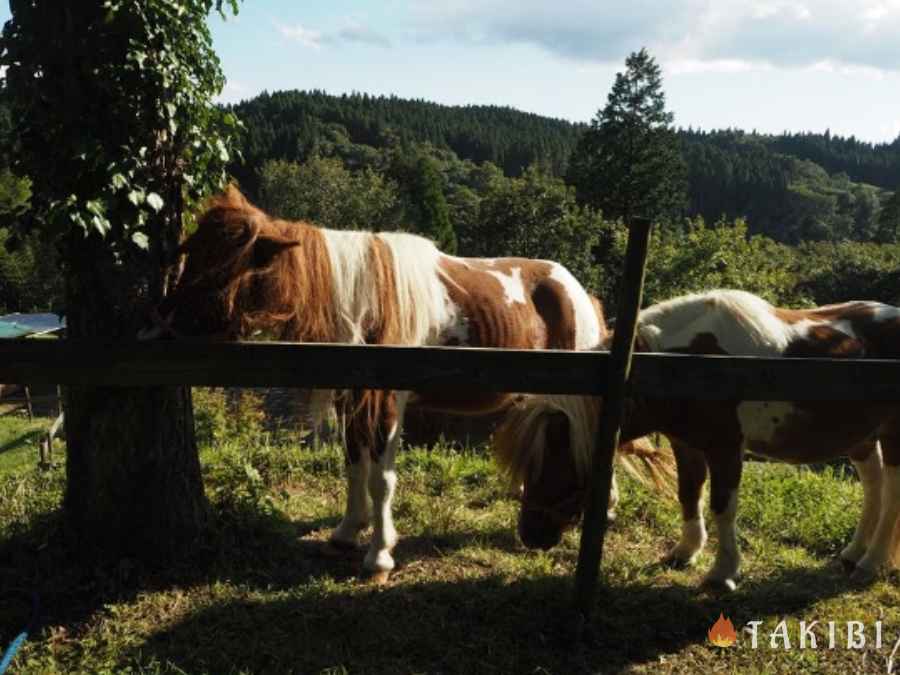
(520, 447)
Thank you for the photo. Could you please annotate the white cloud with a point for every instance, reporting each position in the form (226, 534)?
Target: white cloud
(357, 32)
(305, 36)
(695, 66)
(233, 91)
(717, 35)
(351, 32)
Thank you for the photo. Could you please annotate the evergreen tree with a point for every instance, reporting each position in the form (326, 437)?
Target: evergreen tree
(628, 162)
(430, 205)
(889, 219)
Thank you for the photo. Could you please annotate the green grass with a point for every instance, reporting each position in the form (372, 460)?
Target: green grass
(466, 597)
(19, 440)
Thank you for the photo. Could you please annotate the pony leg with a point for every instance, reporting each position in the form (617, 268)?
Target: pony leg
(356, 514)
(725, 478)
(382, 483)
(613, 498)
(869, 466)
(881, 548)
(691, 476)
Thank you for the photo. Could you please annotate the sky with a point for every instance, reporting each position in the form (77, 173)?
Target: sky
(768, 65)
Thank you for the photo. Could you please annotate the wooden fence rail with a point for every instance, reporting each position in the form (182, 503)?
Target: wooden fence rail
(270, 364)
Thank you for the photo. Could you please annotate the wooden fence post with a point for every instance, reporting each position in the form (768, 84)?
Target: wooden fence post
(593, 529)
(28, 405)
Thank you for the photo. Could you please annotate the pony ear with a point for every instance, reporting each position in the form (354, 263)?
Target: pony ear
(268, 247)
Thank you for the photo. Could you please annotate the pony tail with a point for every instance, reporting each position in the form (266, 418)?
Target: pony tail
(649, 465)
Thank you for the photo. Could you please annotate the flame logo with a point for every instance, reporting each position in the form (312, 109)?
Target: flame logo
(722, 633)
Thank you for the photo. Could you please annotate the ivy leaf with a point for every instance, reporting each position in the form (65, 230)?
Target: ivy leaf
(96, 207)
(223, 150)
(78, 221)
(137, 197)
(101, 224)
(119, 181)
(140, 240)
(155, 202)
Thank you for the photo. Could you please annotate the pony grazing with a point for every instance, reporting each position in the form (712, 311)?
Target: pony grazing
(245, 271)
(548, 440)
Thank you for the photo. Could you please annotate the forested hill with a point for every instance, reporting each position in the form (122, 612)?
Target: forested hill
(792, 187)
(289, 124)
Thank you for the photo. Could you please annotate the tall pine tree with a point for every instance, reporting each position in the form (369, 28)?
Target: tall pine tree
(628, 163)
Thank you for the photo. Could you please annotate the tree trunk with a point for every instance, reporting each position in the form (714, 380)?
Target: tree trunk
(133, 485)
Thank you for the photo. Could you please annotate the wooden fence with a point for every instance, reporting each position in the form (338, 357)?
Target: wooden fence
(320, 366)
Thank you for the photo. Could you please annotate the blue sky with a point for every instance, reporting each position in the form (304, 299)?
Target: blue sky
(770, 65)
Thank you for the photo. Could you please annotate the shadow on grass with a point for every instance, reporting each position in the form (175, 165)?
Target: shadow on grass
(28, 437)
(479, 625)
(482, 624)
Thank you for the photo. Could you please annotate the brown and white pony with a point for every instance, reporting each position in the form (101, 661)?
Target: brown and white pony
(245, 271)
(547, 441)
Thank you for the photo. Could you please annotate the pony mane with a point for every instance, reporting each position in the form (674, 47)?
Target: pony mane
(520, 443)
(278, 294)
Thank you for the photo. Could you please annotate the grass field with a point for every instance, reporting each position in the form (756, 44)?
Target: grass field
(467, 597)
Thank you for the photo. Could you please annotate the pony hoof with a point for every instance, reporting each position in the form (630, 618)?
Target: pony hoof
(377, 578)
(334, 548)
(675, 562)
(719, 585)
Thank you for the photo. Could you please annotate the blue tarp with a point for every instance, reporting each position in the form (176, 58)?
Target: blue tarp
(22, 325)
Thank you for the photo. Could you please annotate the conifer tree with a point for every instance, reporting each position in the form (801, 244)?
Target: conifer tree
(628, 162)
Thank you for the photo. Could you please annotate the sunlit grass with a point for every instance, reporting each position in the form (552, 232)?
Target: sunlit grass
(466, 596)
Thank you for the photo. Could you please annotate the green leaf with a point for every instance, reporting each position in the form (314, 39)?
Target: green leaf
(96, 207)
(137, 197)
(101, 224)
(155, 202)
(140, 240)
(223, 150)
(119, 181)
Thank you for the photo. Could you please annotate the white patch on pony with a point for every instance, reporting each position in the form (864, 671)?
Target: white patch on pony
(355, 296)
(869, 471)
(421, 297)
(844, 327)
(882, 312)
(356, 515)
(727, 567)
(382, 484)
(513, 288)
(879, 552)
(457, 332)
(587, 324)
(693, 539)
(761, 420)
(743, 324)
